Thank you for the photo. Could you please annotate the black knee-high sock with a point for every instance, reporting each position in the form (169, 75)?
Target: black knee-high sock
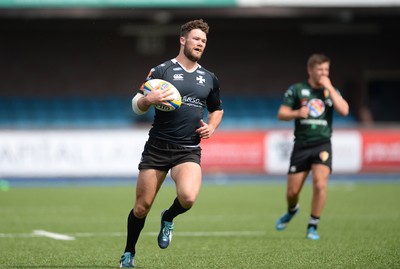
(135, 226)
(174, 211)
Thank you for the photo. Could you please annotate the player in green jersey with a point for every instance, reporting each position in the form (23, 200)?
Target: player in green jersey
(310, 104)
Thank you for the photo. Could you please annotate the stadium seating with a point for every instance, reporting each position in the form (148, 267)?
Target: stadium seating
(249, 112)
(260, 112)
(65, 112)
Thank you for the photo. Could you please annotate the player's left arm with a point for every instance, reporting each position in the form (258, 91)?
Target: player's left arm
(215, 111)
(339, 103)
(208, 128)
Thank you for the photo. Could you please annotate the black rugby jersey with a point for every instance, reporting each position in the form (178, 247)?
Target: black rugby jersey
(199, 90)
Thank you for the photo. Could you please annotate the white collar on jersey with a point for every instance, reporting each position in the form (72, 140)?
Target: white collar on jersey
(175, 61)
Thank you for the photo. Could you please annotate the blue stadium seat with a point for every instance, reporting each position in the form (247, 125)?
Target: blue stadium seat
(241, 112)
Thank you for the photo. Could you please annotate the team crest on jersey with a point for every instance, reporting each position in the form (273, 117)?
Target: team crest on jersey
(200, 80)
(324, 155)
(326, 93)
(316, 107)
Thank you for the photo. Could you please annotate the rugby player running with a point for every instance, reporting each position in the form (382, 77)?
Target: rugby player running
(173, 144)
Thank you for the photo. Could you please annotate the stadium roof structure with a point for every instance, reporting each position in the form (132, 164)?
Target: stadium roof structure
(162, 10)
(195, 3)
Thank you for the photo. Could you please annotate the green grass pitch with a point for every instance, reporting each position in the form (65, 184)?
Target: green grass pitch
(230, 226)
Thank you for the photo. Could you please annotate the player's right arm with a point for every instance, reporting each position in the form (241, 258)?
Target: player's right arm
(139, 104)
(286, 113)
(142, 103)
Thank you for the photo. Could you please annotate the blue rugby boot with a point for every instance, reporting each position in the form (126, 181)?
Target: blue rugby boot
(165, 235)
(284, 220)
(312, 234)
(127, 260)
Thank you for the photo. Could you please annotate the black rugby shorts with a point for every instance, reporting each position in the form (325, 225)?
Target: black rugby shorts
(161, 155)
(303, 156)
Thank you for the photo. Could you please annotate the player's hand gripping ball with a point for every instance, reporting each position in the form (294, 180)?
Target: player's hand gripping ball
(164, 85)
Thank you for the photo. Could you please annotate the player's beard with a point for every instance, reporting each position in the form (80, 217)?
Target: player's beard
(188, 53)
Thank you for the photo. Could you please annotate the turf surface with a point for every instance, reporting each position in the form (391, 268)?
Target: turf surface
(230, 226)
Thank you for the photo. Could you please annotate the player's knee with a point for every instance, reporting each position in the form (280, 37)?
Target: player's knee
(319, 187)
(141, 210)
(292, 194)
(187, 202)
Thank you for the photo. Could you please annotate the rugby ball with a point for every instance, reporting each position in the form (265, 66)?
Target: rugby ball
(164, 85)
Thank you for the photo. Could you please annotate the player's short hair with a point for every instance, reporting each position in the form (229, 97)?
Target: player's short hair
(195, 24)
(316, 59)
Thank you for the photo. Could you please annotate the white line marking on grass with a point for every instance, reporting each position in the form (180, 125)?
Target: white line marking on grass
(110, 234)
(3, 235)
(194, 234)
(40, 233)
(55, 236)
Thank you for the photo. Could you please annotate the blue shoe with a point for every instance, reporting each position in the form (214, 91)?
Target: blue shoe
(165, 235)
(312, 234)
(283, 221)
(127, 260)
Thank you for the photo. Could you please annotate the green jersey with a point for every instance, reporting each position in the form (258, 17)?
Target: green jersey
(317, 127)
